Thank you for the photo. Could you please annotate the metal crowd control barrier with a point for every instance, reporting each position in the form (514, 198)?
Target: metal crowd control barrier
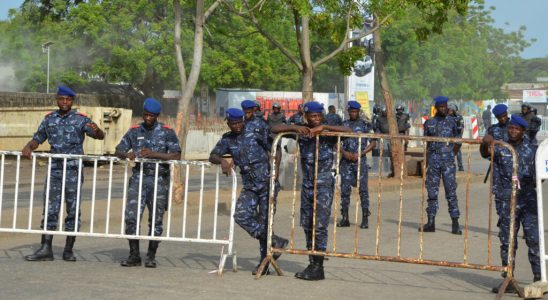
(101, 201)
(537, 289)
(377, 255)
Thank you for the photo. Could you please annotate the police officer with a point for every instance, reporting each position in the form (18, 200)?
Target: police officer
(276, 117)
(402, 119)
(65, 130)
(526, 198)
(349, 165)
(153, 140)
(381, 126)
(332, 118)
(298, 117)
(498, 132)
(486, 117)
(452, 110)
(258, 113)
(252, 160)
(533, 122)
(441, 165)
(324, 182)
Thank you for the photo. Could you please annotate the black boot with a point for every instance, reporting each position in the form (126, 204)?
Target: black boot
(68, 255)
(536, 277)
(455, 228)
(278, 242)
(134, 259)
(44, 253)
(150, 261)
(266, 270)
(344, 222)
(509, 289)
(365, 219)
(430, 226)
(314, 271)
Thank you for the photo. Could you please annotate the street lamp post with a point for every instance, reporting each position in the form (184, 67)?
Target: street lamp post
(45, 49)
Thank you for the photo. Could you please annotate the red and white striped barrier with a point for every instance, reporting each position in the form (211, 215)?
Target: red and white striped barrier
(475, 131)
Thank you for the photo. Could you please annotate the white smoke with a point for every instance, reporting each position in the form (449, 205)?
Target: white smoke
(8, 82)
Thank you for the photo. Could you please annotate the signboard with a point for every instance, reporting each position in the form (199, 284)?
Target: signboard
(363, 99)
(361, 83)
(534, 96)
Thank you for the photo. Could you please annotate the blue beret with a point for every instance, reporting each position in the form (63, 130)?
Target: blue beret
(234, 114)
(441, 100)
(65, 91)
(247, 104)
(353, 105)
(516, 120)
(313, 107)
(152, 106)
(499, 109)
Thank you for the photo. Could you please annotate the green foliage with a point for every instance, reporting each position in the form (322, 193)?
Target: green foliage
(527, 70)
(471, 59)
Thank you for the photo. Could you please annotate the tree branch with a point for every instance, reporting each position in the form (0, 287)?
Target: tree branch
(347, 40)
(177, 43)
(211, 9)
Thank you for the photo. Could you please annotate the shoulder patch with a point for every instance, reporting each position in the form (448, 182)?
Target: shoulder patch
(81, 114)
(50, 113)
(135, 126)
(167, 127)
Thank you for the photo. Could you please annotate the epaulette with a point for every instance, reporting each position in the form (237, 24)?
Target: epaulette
(167, 127)
(135, 126)
(49, 113)
(81, 114)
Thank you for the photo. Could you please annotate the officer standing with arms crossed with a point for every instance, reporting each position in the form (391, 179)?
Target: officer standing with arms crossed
(440, 164)
(298, 117)
(324, 182)
(349, 165)
(153, 140)
(526, 213)
(253, 161)
(65, 130)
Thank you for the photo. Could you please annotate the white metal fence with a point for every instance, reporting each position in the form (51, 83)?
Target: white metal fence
(203, 215)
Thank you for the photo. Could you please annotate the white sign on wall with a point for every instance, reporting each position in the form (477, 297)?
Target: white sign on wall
(534, 96)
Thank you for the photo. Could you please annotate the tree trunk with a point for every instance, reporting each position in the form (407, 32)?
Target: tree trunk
(306, 60)
(308, 93)
(397, 154)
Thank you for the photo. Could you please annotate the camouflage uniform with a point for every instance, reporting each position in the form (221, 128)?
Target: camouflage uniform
(276, 119)
(441, 164)
(333, 119)
(324, 184)
(65, 134)
(460, 128)
(252, 159)
(526, 200)
(499, 132)
(349, 169)
(160, 138)
(296, 119)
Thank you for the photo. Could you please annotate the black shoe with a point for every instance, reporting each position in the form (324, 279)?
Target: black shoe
(365, 220)
(455, 228)
(344, 222)
(150, 260)
(278, 242)
(509, 289)
(430, 226)
(134, 258)
(461, 169)
(536, 277)
(314, 271)
(44, 253)
(68, 255)
(266, 270)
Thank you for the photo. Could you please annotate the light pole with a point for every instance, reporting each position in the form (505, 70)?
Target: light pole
(45, 49)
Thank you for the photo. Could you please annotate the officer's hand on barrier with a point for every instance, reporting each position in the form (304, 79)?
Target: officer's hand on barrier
(488, 139)
(146, 153)
(93, 126)
(130, 155)
(301, 129)
(26, 152)
(227, 166)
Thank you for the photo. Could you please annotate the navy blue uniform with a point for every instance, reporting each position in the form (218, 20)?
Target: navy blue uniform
(526, 201)
(333, 119)
(499, 132)
(65, 134)
(249, 154)
(441, 164)
(160, 138)
(349, 169)
(296, 119)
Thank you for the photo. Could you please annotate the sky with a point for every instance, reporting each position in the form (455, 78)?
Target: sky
(531, 13)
